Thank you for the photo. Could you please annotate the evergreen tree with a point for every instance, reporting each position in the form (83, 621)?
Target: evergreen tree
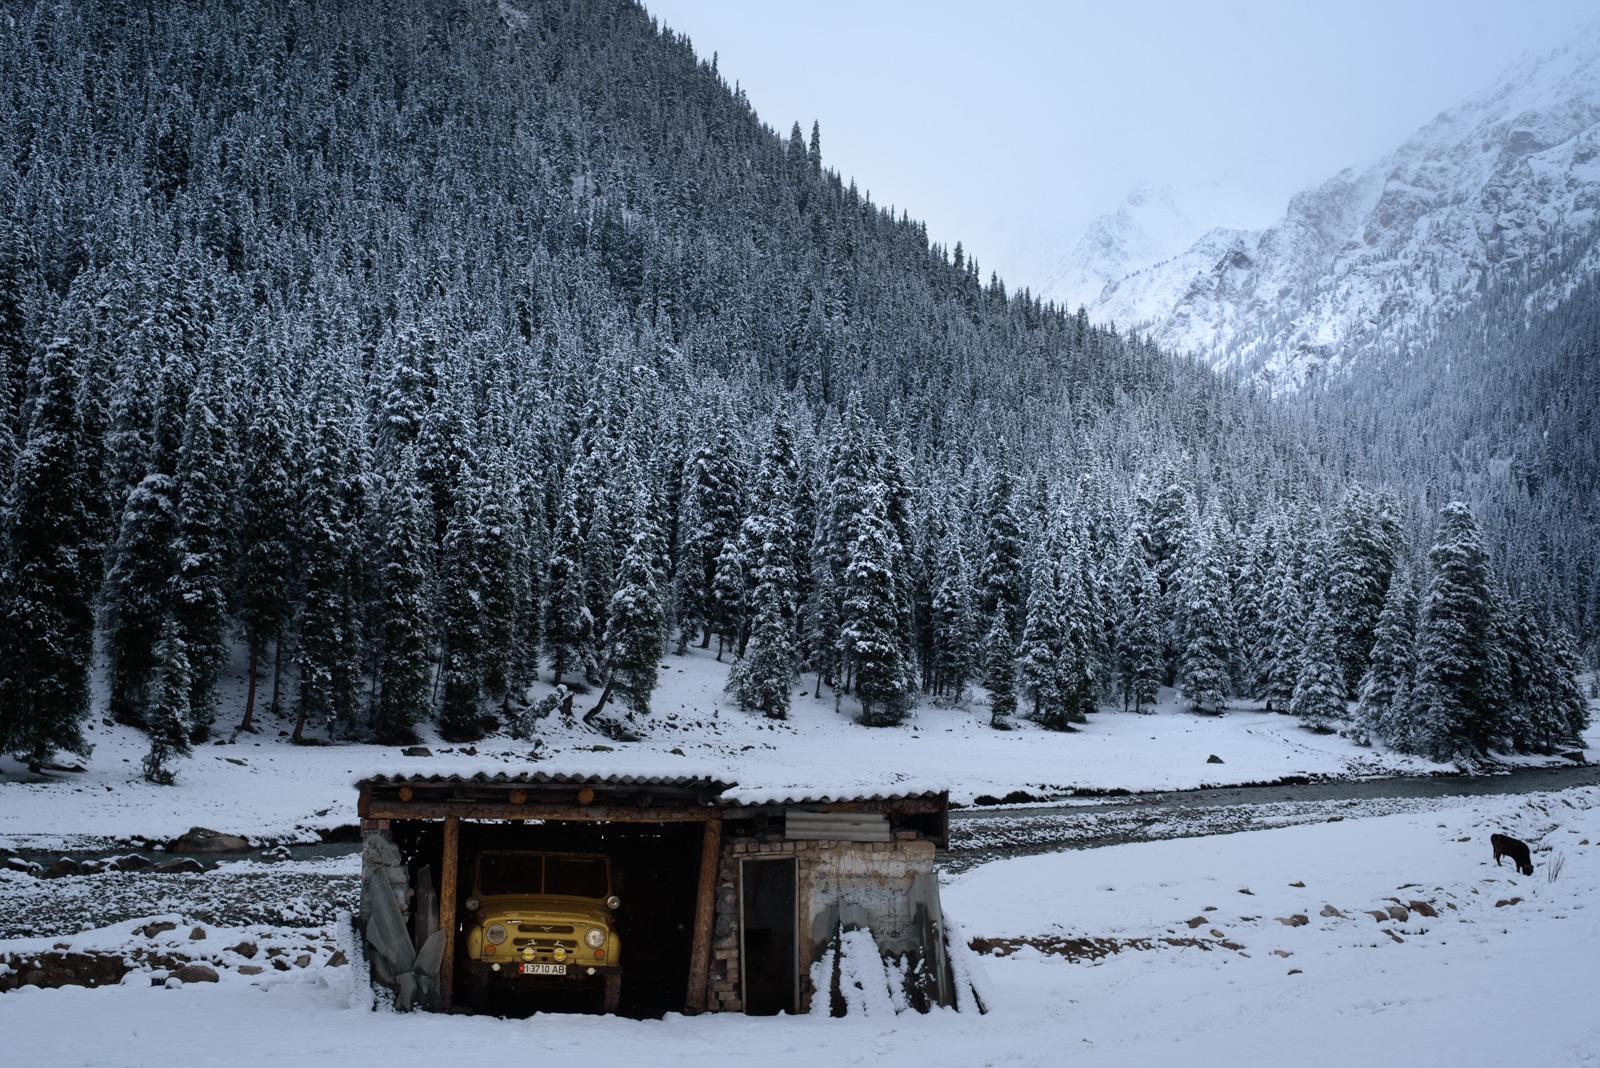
(267, 506)
(1318, 698)
(954, 652)
(1039, 658)
(1287, 637)
(569, 627)
(1001, 586)
(1207, 625)
(203, 559)
(47, 575)
(871, 637)
(137, 596)
(1451, 708)
(632, 646)
(1139, 634)
(463, 617)
(169, 720)
(1362, 552)
(330, 639)
(713, 517)
(764, 677)
(1386, 688)
(404, 654)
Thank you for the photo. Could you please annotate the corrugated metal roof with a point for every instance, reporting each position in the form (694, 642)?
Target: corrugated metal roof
(574, 778)
(801, 795)
(726, 790)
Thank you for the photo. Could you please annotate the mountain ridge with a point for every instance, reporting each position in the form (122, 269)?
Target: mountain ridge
(1374, 259)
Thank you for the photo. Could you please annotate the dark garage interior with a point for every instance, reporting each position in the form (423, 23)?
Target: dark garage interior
(655, 870)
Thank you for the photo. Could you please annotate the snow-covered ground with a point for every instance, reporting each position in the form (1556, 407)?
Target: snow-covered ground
(262, 787)
(1129, 955)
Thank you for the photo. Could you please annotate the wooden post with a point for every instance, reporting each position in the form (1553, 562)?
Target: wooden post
(447, 909)
(705, 913)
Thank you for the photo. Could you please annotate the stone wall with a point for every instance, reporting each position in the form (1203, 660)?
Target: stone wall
(857, 884)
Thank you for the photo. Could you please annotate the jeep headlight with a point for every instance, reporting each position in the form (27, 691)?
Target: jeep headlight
(595, 938)
(495, 934)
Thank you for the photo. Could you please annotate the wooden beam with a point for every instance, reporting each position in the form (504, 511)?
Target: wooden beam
(364, 801)
(705, 914)
(447, 909)
(466, 808)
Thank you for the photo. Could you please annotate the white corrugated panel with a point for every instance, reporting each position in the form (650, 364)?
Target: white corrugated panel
(836, 826)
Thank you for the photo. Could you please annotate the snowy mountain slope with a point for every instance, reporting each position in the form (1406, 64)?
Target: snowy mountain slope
(1373, 259)
(1153, 224)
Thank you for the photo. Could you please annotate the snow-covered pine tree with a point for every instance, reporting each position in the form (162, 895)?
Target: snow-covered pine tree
(1318, 698)
(954, 644)
(1002, 589)
(631, 648)
(1381, 713)
(268, 503)
(168, 719)
(1041, 654)
(1452, 717)
(873, 642)
(1207, 623)
(204, 552)
(502, 560)
(329, 652)
(137, 593)
(462, 615)
(569, 627)
(729, 610)
(1362, 550)
(713, 513)
(1287, 636)
(404, 617)
(764, 677)
(1138, 641)
(47, 576)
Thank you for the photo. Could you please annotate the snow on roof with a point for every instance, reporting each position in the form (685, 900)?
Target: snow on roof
(597, 776)
(728, 790)
(802, 795)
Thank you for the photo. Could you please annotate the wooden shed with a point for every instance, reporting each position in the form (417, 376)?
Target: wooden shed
(731, 899)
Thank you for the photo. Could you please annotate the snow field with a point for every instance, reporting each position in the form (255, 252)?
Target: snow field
(264, 788)
(1479, 984)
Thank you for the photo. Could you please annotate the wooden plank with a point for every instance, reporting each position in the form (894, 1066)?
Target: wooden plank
(705, 912)
(382, 809)
(364, 801)
(447, 909)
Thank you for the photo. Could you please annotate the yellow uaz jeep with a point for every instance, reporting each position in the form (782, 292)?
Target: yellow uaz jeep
(541, 917)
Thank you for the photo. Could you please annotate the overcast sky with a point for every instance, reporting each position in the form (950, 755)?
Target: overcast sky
(1008, 125)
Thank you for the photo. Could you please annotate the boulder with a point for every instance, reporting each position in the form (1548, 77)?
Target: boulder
(1329, 910)
(26, 867)
(195, 972)
(131, 862)
(1423, 908)
(63, 867)
(1214, 759)
(338, 960)
(1297, 920)
(177, 865)
(150, 930)
(247, 950)
(197, 935)
(205, 840)
(250, 969)
(1398, 913)
(416, 751)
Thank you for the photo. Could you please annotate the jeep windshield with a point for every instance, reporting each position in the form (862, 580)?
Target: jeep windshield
(538, 873)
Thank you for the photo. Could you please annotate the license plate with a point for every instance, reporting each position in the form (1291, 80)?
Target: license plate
(543, 969)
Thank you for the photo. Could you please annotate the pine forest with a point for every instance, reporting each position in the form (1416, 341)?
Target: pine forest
(413, 353)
